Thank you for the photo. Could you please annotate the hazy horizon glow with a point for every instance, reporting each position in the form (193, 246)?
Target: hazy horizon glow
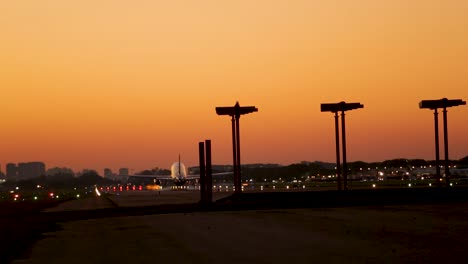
(96, 84)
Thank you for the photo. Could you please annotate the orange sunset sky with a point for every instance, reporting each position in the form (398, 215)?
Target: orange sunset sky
(109, 83)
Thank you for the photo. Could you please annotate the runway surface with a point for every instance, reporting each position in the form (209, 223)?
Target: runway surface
(134, 199)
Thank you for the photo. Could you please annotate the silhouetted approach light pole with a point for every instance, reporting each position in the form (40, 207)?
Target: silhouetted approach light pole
(434, 105)
(235, 112)
(335, 108)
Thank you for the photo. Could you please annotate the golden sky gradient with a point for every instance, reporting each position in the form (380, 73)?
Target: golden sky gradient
(108, 83)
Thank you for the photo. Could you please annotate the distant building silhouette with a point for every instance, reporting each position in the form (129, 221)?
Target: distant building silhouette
(11, 172)
(30, 170)
(124, 172)
(2, 175)
(108, 174)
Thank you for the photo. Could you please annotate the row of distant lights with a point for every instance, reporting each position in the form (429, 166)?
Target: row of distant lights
(220, 187)
(409, 185)
(121, 189)
(51, 195)
(413, 167)
(226, 187)
(16, 197)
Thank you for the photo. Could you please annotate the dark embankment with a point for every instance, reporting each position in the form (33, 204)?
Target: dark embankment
(22, 223)
(372, 197)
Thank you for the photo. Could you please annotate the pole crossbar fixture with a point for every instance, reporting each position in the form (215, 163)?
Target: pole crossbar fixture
(443, 103)
(235, 112)
(336, 108)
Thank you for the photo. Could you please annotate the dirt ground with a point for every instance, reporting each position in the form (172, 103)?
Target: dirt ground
(386, 234)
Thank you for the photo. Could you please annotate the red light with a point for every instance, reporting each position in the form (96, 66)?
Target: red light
(51, 194)
(133, 187)
(120, 188)
(16, 195)
(140, 188)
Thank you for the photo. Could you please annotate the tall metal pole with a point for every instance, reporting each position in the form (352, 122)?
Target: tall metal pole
(436, 127)
(447, 171)
(209, 178)
(201, 155)
(234, 148)
(343, 135)
(337, 141)
(235, 113)
(239, 174)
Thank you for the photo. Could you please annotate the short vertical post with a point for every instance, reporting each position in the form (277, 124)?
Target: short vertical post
(209, 178)
(201, 154)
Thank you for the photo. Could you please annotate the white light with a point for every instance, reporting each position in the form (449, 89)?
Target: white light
(287, 187)
(35, 197)
(451, 184)
(97, 192)
(409, 184)
(17, 188)
(303, 186)
(261, 188)
(57, 197)
(430, 184)
(77, 196)
(274, 187)
(373, 185)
